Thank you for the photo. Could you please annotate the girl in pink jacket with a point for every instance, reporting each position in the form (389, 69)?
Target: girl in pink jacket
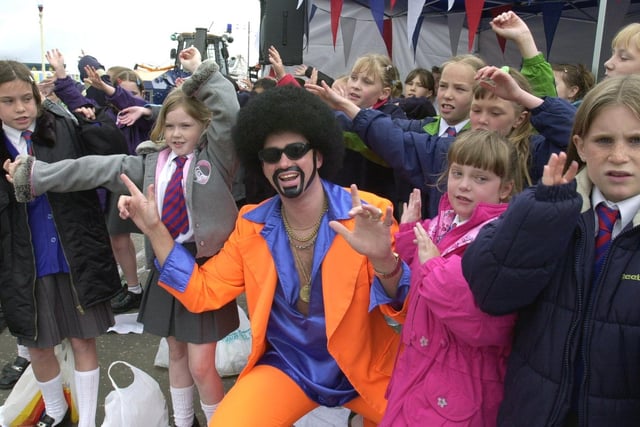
(451, 364)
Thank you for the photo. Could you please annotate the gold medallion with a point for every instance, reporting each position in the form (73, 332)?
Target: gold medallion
(305, 293)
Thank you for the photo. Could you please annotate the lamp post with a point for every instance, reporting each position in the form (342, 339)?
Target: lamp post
(40, 9)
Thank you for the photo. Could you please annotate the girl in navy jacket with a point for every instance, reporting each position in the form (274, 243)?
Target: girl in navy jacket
(576, 350)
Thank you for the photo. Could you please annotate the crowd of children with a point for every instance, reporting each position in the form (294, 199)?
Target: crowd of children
(491, 212)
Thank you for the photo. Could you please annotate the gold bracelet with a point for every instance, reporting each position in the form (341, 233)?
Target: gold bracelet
(390, 274)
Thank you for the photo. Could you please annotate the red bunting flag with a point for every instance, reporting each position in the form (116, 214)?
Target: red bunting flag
(473, 9)
(387, 36)
(336, 10)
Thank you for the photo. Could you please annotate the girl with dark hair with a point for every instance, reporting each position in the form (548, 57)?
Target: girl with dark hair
(58, 267)
(191, 164)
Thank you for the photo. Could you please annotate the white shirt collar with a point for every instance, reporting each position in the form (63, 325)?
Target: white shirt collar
(628, 209)
(15, 137)
(444, 125)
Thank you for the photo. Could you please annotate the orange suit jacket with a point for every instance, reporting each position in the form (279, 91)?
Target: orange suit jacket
(362, 342)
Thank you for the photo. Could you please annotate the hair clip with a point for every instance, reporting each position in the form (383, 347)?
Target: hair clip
(388, 67)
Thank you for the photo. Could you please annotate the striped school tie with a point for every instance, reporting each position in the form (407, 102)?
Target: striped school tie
(174, 208)
(606, 219)
(451, 131)
(26, 134)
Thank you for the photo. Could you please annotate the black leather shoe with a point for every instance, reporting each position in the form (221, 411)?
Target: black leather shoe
(129, 302)
(11, 373)
(47, 421)
(120, 295)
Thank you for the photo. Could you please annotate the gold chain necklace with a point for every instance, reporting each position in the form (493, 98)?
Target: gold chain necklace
(306, 245)
(311, 238)
(305, 278)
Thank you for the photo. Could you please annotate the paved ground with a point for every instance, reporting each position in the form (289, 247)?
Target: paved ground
(137, 349)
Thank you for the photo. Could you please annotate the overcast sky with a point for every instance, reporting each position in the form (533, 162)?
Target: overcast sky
(121, 32)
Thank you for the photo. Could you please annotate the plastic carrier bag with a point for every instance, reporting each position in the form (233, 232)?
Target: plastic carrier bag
(141, 404)
(232, 352)
(24, 405)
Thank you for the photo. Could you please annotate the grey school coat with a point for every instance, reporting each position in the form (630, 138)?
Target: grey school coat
(209, 178)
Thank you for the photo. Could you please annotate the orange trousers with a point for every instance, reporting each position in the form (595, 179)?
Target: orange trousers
(267, 397)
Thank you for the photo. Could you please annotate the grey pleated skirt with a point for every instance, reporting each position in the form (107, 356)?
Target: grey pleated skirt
(163, 315)
(58, 317)
(115, 224)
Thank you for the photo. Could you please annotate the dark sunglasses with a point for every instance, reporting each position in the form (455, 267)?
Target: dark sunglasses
(294, 151)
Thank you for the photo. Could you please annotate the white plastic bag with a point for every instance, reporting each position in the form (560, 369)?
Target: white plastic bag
(24, 405)
(232, 352)
(141, 404)
(162, 355)
(323, 416)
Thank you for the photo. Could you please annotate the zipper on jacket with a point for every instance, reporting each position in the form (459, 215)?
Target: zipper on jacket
(35, 274)
(587, 335)
(66, 259)
(567, 366)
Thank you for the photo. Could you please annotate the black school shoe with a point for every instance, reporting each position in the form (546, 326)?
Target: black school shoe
(127, 302)
(47, 421)
(120, 295)
(11, 373)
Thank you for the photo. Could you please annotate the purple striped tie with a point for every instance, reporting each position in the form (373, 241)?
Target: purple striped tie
(26, 134)
(606, 218)
(451, 131)
(174, 208)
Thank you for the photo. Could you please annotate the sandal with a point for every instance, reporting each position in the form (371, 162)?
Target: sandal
(12, 372)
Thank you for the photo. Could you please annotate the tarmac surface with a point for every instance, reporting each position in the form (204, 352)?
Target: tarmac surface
(137, 349)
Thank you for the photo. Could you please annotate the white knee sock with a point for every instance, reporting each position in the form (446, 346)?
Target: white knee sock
(182, 400)
(87, 384)
(209, 410)
(24, 352)
(54, 403)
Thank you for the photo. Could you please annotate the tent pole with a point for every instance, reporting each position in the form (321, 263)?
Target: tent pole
(597, 48)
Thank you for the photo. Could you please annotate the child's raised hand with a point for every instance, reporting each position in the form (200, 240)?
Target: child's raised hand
(509, 25)
(553, 170)
(426, 248)
(276, 62)
(128, 116)
(499, 82)
(190, 58)
(300, 70)
(412, 211)
(246, 84)
(314, 76)
(56, 60)
(89, 113)
(327, 94)
(333, 98)
(46, 86)
(10, 167)
(93, 78)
